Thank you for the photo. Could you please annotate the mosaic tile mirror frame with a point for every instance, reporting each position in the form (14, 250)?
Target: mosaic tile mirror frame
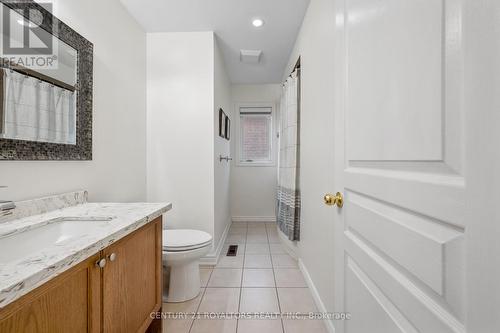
(80, 145)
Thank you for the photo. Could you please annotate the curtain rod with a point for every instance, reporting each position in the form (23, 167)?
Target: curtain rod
(35, 74)
(295, 68)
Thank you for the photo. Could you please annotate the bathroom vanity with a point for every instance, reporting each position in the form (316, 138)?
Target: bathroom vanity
(67, 265)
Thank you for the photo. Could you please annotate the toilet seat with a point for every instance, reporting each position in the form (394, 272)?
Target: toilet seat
(178, 240)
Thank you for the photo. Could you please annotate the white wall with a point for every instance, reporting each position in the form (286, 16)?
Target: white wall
(315, 46)
(222, 99)
(118, 169)
(186, 85)
(180, 89)
(253, 189)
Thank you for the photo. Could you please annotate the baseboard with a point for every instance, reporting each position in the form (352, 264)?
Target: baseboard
(213, 256)
(263, 219)
(290, 246)
(317, 299)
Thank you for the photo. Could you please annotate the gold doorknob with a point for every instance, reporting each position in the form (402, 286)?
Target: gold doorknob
(332, 200)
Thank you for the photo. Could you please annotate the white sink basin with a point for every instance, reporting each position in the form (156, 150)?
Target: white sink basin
(49, 234)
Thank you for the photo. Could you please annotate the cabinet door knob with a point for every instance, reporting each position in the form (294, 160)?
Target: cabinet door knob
(101, 263)
(112, 257)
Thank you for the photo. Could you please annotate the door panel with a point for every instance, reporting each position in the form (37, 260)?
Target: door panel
(425, 313)
(69, 302)
(427, 249)
(370, 303)
(400, 151)
(132, 282)
(394, 72)
(434, 195)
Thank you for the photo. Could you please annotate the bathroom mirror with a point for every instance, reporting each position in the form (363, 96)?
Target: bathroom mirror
(46, 71)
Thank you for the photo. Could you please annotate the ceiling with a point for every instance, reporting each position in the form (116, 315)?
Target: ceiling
(231, 20)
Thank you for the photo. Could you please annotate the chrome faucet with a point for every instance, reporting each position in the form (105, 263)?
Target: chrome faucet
(6, 206)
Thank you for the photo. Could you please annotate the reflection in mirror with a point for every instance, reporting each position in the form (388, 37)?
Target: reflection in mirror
(35, 110)
(38, 101)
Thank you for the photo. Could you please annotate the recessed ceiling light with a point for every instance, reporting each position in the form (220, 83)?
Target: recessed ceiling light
(257, 22)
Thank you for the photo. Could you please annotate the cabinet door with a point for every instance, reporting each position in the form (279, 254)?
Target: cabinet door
(67, 303)
(132, 281)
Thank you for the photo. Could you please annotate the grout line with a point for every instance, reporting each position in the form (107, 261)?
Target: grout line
(244, 245)
(275, 283)
(199, 304)
(242, 273)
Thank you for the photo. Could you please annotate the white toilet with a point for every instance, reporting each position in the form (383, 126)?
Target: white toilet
(182, 250)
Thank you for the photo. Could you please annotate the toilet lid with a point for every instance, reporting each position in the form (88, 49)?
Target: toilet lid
(185, 239)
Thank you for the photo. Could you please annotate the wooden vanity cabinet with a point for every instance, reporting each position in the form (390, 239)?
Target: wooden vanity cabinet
(118, 297)
(70, 302)
(131, 280)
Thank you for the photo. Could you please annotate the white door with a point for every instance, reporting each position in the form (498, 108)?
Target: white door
(404, 164)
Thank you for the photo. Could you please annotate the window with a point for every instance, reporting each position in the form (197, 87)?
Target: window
(256, 139)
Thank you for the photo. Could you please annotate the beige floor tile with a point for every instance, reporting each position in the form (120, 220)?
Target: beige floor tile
(213, 326)
(274, 239)
(258, 300)
(235, 239)
(297, 300)
(258, 278)
(220, 300)
(230, 262)
(177, 325)
(239, 224)
(237, 230)
(272, 233)
(190, 306)
(304, 325)
(273, 230)
(257, 234)
(289, 278)
(283, 261)
(256, 225)
(205, 275)
(260, 326)
(257, 261)
(225, 277)
(257, 231)
(277, 249)
(271, 225)
(253, 238)
(257, 248)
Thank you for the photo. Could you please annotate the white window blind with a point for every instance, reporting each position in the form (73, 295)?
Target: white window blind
(255, 135)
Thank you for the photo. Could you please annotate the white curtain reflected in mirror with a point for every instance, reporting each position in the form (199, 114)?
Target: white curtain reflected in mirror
(35, 110)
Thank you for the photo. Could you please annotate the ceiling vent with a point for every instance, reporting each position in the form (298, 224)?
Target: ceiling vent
(250, 56)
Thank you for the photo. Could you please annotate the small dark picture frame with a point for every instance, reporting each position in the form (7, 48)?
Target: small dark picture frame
(222, 124)
(227, 128)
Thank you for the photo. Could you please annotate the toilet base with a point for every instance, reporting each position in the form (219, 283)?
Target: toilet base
(184, 282)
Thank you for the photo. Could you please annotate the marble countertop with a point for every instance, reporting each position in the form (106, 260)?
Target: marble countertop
(19, 277)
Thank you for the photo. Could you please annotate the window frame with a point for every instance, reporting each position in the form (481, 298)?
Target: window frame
(238, 150)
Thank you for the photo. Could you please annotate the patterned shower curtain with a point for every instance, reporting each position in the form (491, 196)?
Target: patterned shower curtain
(288, 197)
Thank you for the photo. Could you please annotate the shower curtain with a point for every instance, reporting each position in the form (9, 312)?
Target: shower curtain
(37, 111)
(288, 196)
